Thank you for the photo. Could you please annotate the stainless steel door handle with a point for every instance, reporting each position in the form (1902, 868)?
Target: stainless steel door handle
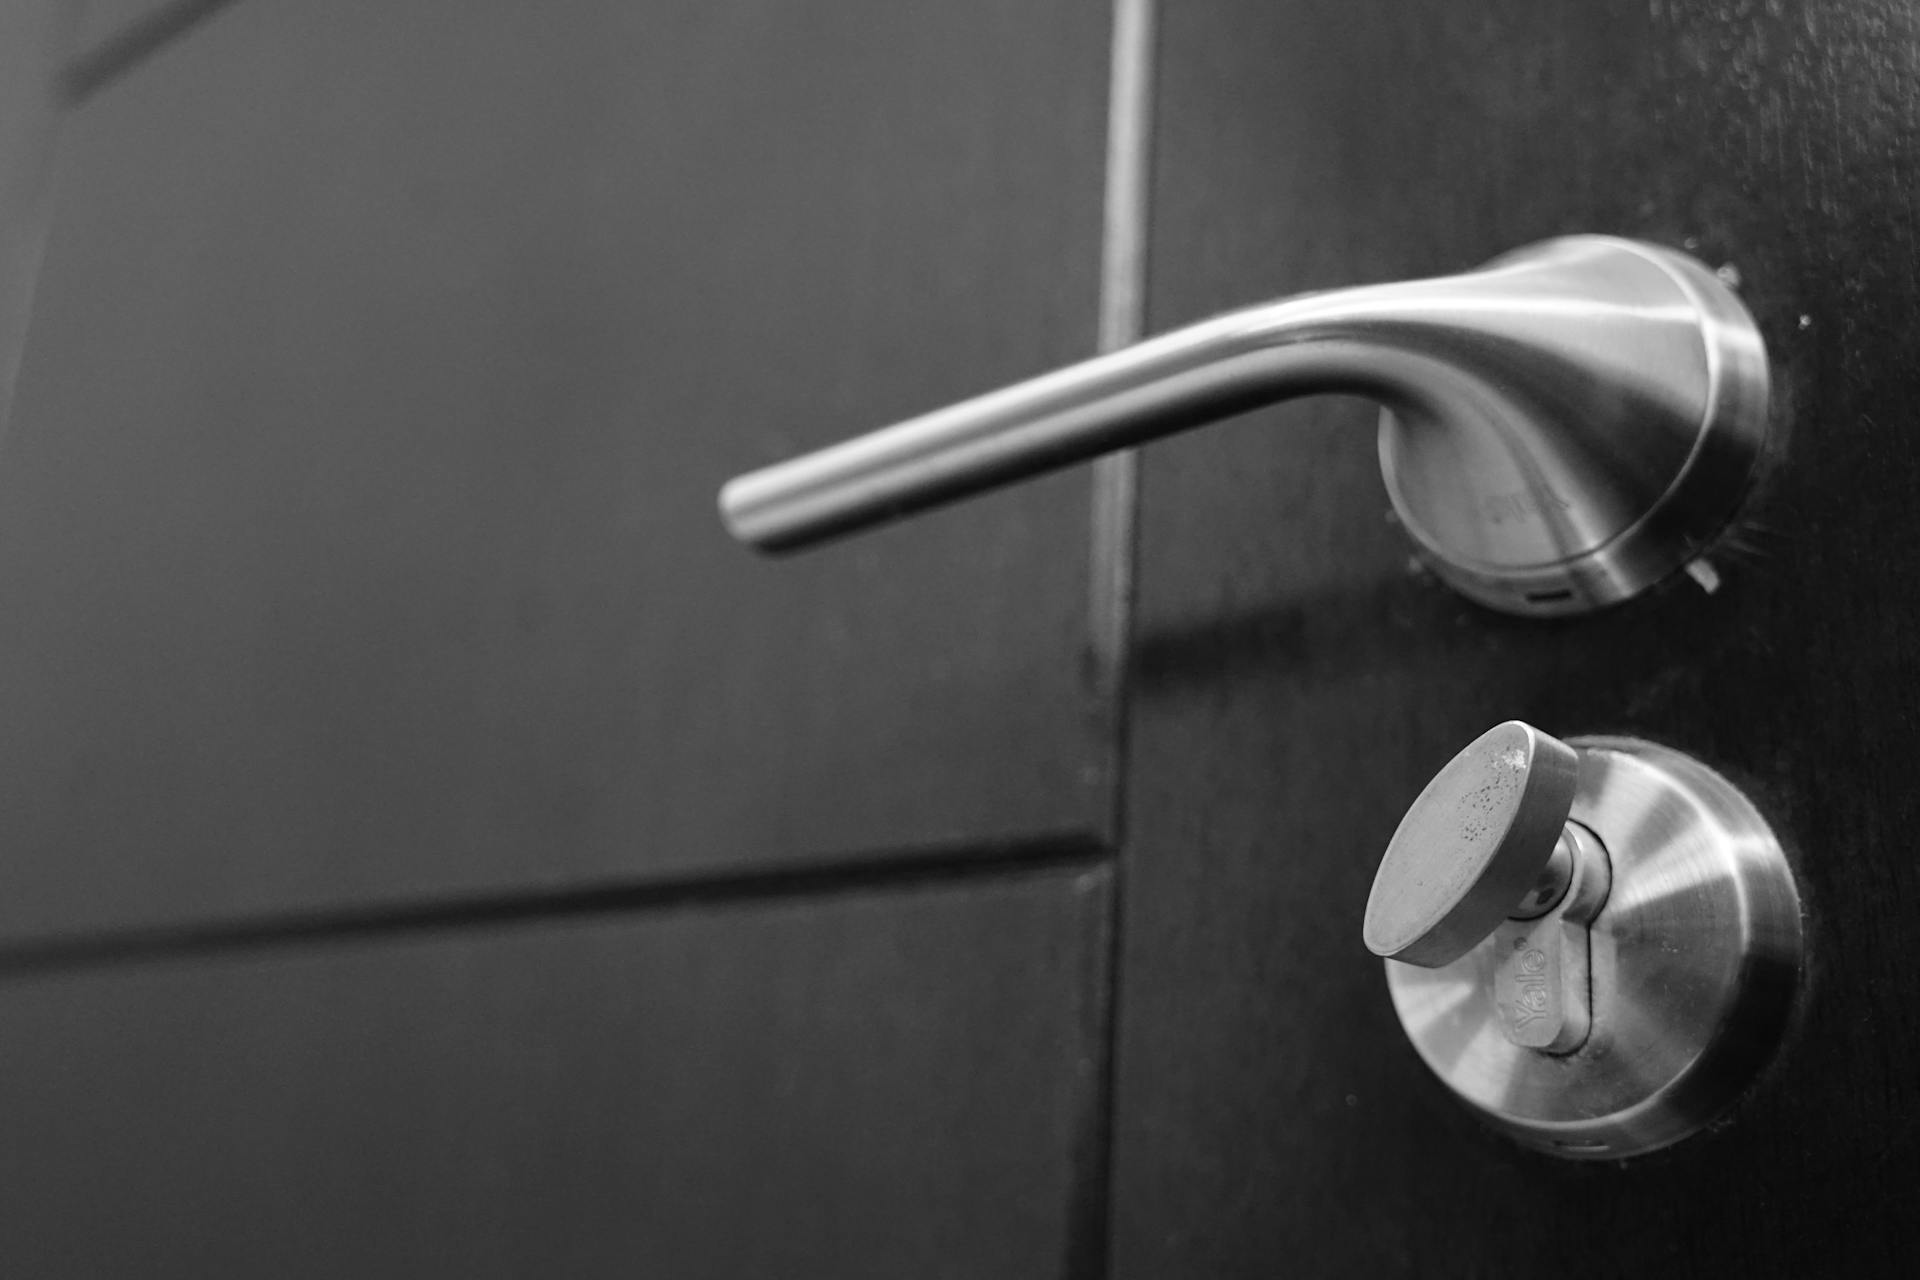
(1562, 428)
(1595, 943)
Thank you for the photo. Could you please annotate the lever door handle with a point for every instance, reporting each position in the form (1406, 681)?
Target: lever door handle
(1563, 427)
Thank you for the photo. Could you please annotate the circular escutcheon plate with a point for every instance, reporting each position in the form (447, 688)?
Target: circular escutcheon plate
(1613, 482)
(1695, 961)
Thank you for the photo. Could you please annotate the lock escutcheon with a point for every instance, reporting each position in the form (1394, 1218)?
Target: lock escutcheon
(1487, 852)
(1680, 907)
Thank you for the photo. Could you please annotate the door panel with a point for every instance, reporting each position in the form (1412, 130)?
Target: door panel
(876, 1083)
(1299, 678)
(357, 529)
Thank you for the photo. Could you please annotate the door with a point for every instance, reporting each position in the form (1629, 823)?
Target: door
(433, 847)
(1298, 678)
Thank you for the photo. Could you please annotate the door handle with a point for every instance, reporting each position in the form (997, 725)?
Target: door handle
(1562, 428)
(1595, 943)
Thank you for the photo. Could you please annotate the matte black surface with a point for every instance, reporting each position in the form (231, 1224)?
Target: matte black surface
(357, 534)
(883, 1084)
(1300, 680)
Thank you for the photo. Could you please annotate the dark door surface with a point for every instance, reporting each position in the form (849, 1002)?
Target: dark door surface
(359, 516)
(1298, 679)
(433, 848)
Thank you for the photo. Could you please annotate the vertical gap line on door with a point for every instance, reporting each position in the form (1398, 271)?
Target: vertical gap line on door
(34, 38)
(1122, 320)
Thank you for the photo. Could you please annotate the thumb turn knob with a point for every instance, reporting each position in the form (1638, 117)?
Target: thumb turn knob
(1481, 844)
